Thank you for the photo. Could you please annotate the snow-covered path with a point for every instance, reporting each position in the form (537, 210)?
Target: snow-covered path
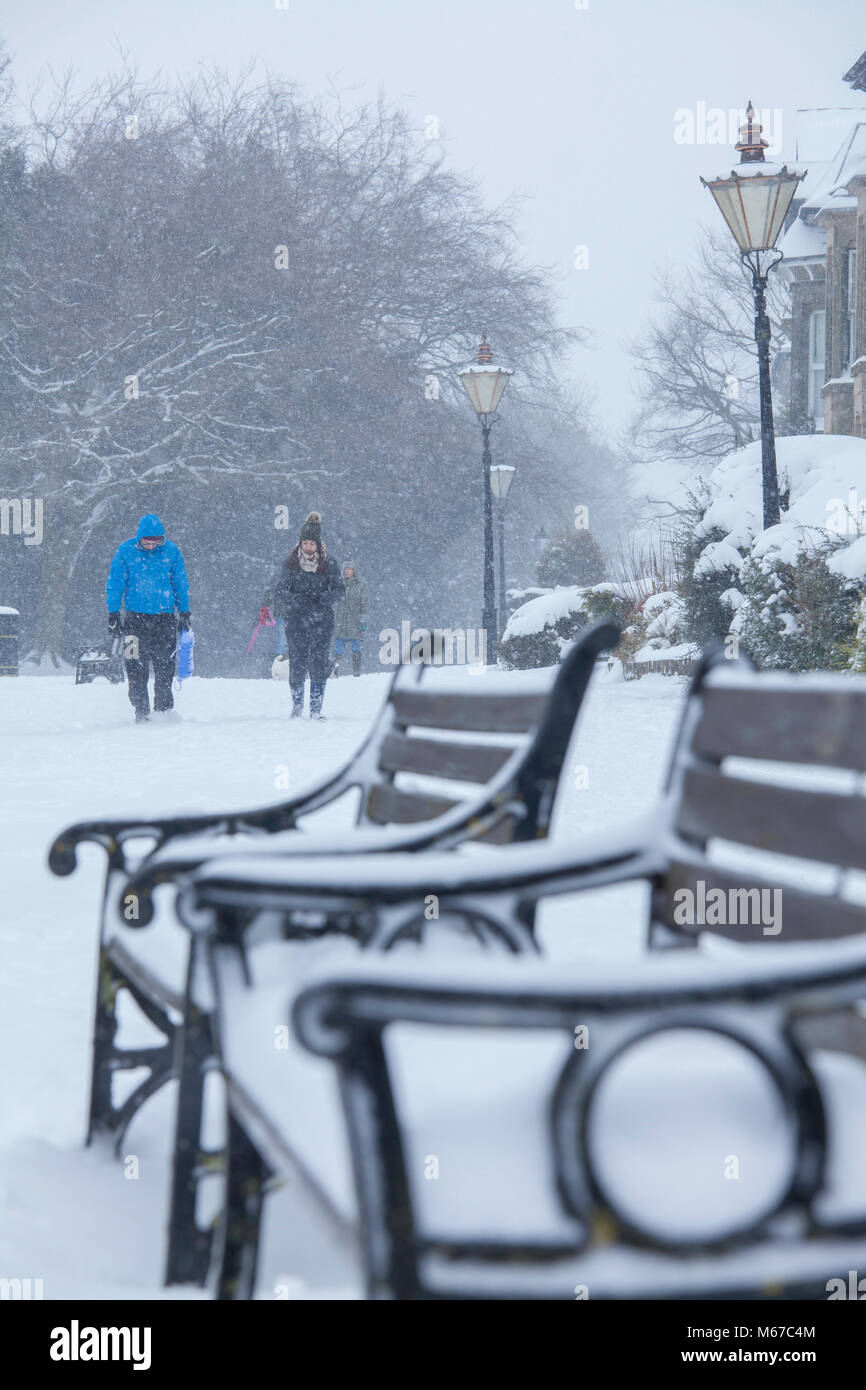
(67, 1215)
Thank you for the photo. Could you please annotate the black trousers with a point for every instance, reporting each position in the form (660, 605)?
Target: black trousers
(149, 639)
(309, 648)
(308, 644)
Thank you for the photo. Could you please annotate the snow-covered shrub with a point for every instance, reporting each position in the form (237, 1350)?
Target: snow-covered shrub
(660, 624)
(858, 653)
(540, 630)
(574, 557)
(710, 580)
(609, 603)
(792, 592)
(612, 603)
(799, 616)
(515, 598)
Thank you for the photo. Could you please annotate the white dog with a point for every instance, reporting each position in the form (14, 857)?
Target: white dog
(280, 668)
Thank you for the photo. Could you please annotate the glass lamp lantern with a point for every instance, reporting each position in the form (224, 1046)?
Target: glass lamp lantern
(501, 478)
(483, 381)
(755, 198)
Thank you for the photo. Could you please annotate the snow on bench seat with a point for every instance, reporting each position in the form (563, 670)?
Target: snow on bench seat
(472, 1096)
(474, 1102)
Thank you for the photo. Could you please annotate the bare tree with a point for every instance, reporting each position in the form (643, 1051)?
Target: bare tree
(697, 361)
(223, 294)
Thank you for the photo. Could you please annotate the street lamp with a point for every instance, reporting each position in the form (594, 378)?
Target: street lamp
(542, 541)
(484, 384)
(754, 201)
(501, 478)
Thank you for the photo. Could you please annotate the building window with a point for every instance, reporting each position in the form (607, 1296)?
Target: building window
(851, 307)
(817, 344)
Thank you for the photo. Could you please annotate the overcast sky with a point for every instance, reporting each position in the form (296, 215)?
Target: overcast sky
(569, 102)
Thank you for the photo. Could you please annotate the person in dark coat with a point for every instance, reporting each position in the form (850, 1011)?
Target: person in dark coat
(304, 594)
(353, 612)
(148, 577)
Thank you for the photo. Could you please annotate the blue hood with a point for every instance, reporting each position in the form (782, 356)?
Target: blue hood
(147, 581)
(149, 525)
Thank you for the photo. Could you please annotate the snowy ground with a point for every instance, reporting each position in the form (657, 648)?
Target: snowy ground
(68, 1215)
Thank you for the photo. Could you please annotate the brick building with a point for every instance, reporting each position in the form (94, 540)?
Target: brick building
(825, 268)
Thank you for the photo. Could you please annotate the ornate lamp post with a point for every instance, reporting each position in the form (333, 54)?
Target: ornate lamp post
(501, 478)
(754, 201)
(484, 384)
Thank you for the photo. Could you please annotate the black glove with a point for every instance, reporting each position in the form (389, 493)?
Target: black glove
(114, 623)
(183, 619)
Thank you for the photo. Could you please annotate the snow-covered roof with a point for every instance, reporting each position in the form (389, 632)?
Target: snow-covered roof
(804, 241)
(826, 185)
(849, 161)
(9, 610)
(820, 132)
(856, 75)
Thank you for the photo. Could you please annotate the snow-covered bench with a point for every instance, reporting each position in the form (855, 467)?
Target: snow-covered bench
(455, 755)
(680, 1127)
(766, 773)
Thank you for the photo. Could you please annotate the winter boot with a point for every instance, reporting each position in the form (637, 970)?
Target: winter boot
(297, 701)
(317, 695)
(142, 716)
(356, 663)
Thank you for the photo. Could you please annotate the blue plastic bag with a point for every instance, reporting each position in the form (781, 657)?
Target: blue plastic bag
(185, 659)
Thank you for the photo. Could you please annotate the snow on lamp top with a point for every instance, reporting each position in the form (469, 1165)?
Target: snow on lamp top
(483, 381)
(754, 198)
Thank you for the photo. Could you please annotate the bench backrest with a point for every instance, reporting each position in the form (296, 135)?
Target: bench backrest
(476, 731)
(767, 774)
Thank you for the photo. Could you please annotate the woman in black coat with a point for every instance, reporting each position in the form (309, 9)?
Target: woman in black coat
(306, 590)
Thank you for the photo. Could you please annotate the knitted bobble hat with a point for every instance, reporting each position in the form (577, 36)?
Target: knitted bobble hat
(312, 528)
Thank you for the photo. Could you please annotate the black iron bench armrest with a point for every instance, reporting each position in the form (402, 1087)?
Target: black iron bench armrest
(355, 882)
(376, 990)
(518, 790)
(172, 867)
(111, 834)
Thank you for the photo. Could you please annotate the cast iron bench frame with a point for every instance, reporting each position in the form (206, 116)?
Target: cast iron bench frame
(731, 712)
(514, 802)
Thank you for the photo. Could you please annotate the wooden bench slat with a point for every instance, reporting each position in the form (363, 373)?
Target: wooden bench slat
(793, 726)
(804, 916)
(787, 820)
(388, 805)
(843, 1031)
(463, 762)
(481, 713)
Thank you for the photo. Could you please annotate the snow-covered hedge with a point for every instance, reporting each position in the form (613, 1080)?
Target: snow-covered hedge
(661, 624)
(540, 630)
(793, 592)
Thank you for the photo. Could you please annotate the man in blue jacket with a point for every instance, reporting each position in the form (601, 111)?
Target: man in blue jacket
(148, 577)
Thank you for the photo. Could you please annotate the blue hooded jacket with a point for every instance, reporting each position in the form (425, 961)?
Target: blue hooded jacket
(149, 581)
